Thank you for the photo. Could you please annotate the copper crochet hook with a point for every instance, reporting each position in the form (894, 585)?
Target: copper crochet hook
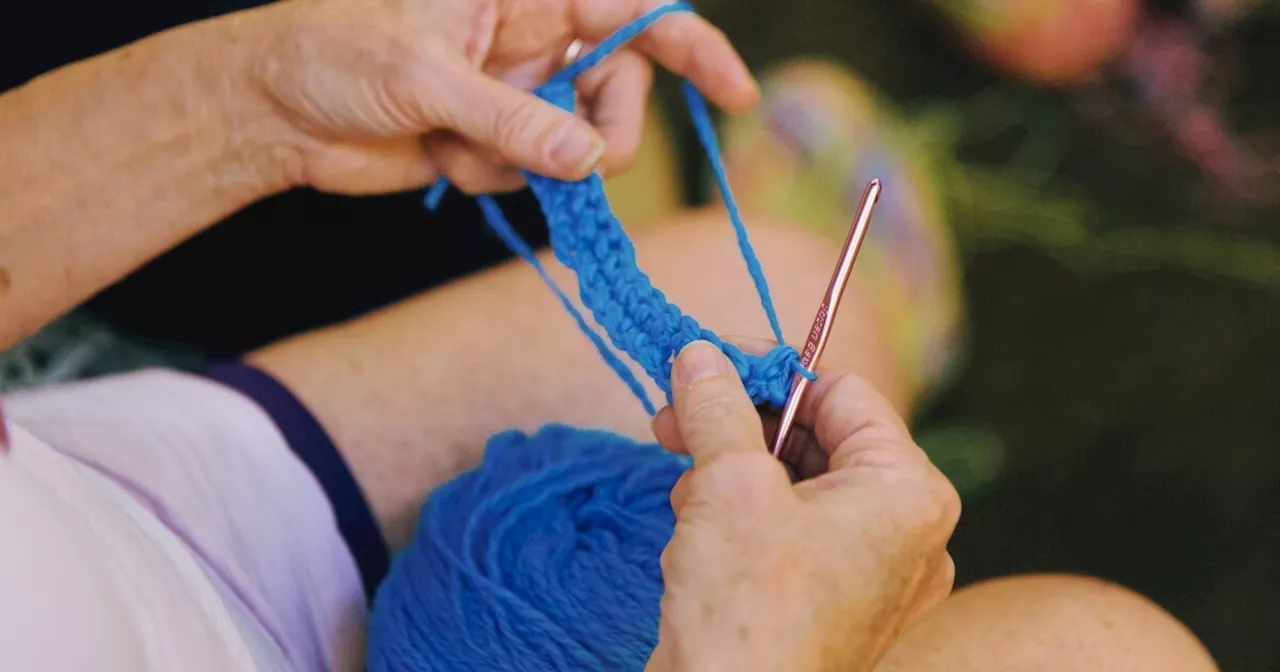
(821, 329)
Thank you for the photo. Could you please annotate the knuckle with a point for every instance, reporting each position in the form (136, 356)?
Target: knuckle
(669, 563)
(397, 100)
(511, 124)
(947, 575)
(947, 503)
(932, 594)
(399, 73)
(711, 412)
(931, 507)
(680, 492)
(940, 584)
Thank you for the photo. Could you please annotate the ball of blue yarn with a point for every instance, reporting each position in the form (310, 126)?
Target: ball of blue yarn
(545, 557)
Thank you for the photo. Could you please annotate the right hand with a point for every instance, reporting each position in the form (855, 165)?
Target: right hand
(388, 95)
(824, 574)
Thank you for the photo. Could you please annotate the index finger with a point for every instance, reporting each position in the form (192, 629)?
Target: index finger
(683, 43)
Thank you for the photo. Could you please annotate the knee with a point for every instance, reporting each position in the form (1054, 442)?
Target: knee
(1057, 622)
(706, 235)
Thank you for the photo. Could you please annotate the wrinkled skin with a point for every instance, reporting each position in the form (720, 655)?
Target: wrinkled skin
(387, 95)
(824, 574)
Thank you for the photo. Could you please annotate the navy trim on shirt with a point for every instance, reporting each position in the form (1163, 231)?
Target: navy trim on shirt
(308, 440)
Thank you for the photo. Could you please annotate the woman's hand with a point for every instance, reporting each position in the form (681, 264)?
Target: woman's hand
(387, 95)
(824, 574)
(346, 96)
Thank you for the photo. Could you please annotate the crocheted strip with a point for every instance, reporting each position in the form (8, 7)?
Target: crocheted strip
(507, 233)
(587, 238)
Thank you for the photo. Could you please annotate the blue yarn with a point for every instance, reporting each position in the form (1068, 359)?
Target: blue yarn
(546, 556)
(543, 558)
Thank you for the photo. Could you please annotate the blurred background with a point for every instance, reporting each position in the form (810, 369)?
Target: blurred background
(1110, 171)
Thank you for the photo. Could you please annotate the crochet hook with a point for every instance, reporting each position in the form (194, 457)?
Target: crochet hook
(821, 329)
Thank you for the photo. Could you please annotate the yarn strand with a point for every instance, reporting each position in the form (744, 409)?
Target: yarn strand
(707, 136)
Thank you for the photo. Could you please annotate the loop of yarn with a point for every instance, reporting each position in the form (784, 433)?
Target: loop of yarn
(588, 239)
(544, 558)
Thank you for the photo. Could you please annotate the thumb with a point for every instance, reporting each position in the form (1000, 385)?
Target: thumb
(713, 413)
(522, 128)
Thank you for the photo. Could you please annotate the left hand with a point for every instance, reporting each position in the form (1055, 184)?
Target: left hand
(389, 94)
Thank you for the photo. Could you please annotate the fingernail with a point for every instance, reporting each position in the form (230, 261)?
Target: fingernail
(698, 361)
(577, 149)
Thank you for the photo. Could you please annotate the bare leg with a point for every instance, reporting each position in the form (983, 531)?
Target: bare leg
(1048, 623)
(411, 394)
